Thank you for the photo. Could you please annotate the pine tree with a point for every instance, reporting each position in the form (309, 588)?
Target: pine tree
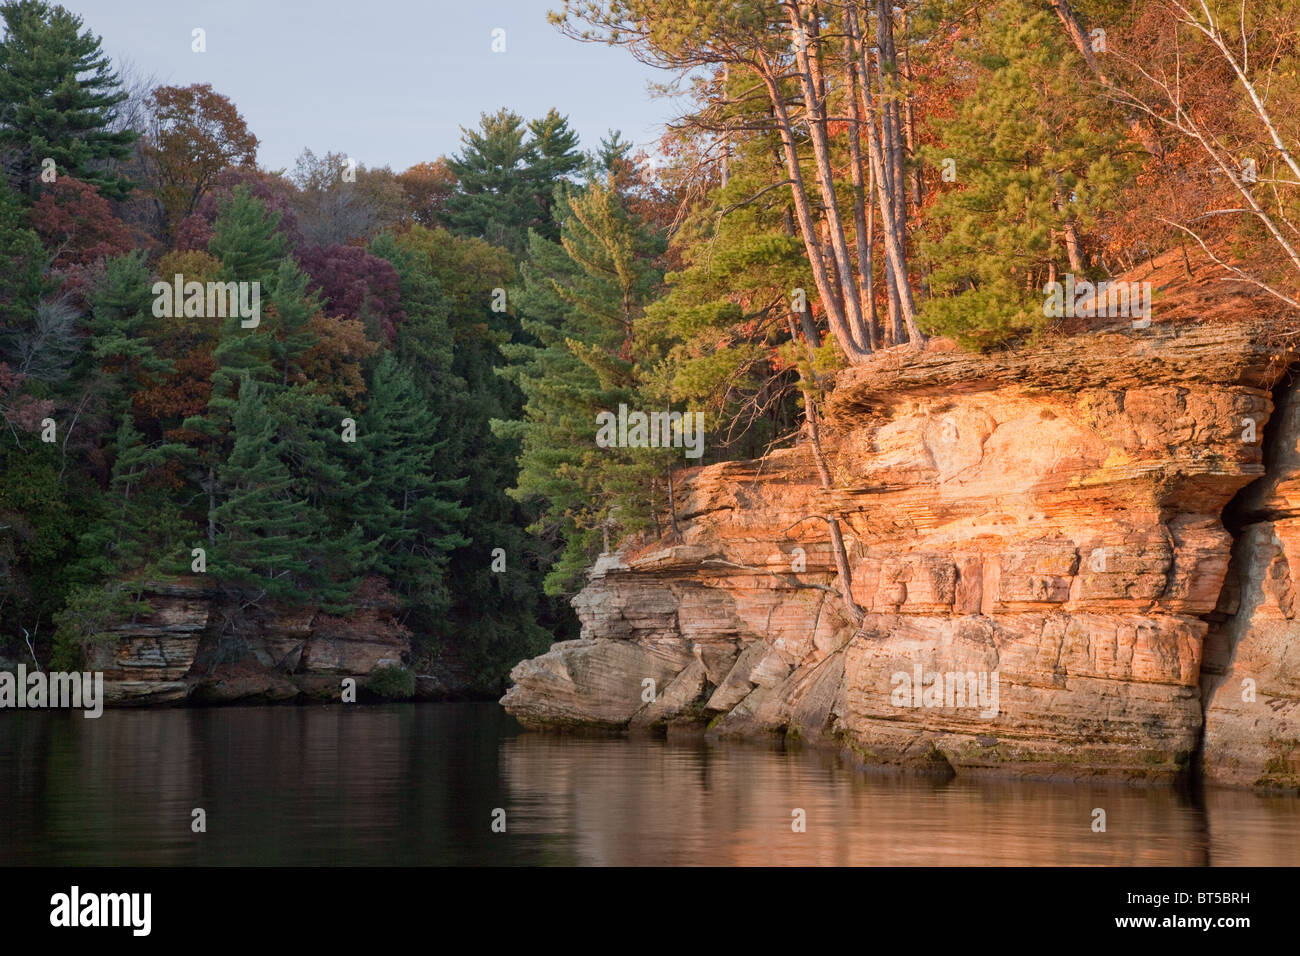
(507, 174)
(1036, 157)
(291, 334)
(424, 345)
(494, 618)
(250, 250)
(245, 238)
(744, 274)
(261, 529)
(555, 147)
(413, 515)
(58, 95)
(22, 260)
(141, 537)
(142, 529)
(581, 301)
(121, 305)
(613, 155)
(328, 477)
(495, 198)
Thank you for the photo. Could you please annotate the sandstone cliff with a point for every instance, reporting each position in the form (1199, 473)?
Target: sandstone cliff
(1048, 521)
(196, 646)
(1251, 670)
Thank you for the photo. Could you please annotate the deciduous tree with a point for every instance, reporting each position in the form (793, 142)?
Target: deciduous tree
(195, 133)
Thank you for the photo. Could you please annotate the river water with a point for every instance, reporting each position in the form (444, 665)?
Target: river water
(414, 784)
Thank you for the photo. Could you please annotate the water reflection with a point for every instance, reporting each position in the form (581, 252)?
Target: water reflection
(417, 784)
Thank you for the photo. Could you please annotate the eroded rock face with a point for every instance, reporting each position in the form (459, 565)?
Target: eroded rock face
(151, 655)
(194, 646)
(1252, 653)
(1046, 522)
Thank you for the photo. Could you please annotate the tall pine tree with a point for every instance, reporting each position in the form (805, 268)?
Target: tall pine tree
(414, 515)
(261, 530)
(494, 198)
(22, 261)
(555, 147)
(507, 173)
(580, 303)
(58, 99)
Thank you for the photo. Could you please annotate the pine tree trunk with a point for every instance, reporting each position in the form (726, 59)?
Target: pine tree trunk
(1072, 247)
(909, 123)
(838, 550)
(892, 140)
(212, 507)
(901, 306)
(891, 125)
(861, 200)
(806, 38)
(726, 137)
(807, 227)
(1080, 39)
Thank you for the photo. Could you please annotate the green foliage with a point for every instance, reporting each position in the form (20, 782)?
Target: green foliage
(87, 619)
(291, 336)
(1035, 153)
(59, 97)
(245, 237)
(580, 304)
(506, 173)
(22, 260)
(121, 310)
(261, 525)
(728, 307)
(41, 515)
(414, 515)
(493, 199)
(447, 284)
(556, 149)
(141, 532)
(393, 683)
(275, 537)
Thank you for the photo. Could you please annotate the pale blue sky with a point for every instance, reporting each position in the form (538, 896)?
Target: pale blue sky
(388, 82)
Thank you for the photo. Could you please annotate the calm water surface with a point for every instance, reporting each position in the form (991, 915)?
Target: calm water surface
(418, 784)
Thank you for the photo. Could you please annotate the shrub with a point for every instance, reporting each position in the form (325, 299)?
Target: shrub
(393, 683)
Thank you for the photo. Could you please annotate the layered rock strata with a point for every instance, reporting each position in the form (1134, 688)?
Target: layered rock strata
(1251, 668)
(1039, 532)
(193, 646)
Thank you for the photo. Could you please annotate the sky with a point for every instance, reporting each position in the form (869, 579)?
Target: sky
(387, 82)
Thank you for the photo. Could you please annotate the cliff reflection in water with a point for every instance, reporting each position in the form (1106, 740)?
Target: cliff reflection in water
(417, 784)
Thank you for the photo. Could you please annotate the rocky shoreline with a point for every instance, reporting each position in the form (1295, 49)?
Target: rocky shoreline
(193, 649)
(1054, 517)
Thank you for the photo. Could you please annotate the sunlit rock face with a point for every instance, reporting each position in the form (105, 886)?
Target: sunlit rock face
(1252, 653)
(1035, 537)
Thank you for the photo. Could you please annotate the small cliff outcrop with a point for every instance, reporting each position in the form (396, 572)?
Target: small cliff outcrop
(199, 646)
(1037, 539)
